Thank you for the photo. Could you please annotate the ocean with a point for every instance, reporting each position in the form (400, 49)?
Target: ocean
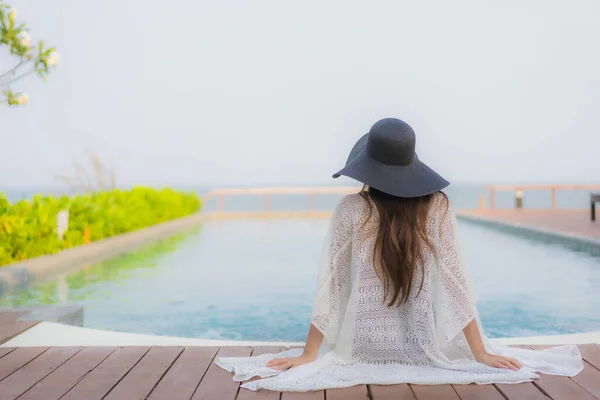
(463, 196)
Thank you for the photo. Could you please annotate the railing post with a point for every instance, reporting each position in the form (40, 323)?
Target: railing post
(493, 200)
(220, 202)
(482, 203)
(518, 199)
(553, 198)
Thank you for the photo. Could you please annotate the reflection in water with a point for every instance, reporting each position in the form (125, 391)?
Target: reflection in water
(62, 291)
(77, 285)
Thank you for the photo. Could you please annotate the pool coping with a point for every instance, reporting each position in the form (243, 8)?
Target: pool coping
(58, 334)
(25, 272)
(538, 233)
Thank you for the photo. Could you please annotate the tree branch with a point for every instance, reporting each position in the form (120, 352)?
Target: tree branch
(6, 83)
(13, 70)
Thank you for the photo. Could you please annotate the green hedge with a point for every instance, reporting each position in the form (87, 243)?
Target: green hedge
(28, 227)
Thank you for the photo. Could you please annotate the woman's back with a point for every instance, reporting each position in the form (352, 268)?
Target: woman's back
(378, 332)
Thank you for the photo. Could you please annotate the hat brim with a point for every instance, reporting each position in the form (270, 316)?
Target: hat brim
(413, 180)
(358, 147)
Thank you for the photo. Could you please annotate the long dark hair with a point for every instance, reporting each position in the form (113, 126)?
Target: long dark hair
(402, 241)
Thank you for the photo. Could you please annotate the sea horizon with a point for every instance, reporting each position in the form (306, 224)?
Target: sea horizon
(463, 195)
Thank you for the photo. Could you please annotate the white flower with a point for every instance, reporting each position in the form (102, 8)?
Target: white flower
(53, 59)
(25, 39)
(23, 99)
(12, 15)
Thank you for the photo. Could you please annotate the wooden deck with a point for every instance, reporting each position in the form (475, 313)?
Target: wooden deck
(569, 222)
(177, 373)
(11, 325)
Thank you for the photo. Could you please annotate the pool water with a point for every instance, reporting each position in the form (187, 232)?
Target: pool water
(255, 279)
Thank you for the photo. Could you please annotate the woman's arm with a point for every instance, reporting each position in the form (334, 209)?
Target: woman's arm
(311, 349)
(473, 337)
(313, 342)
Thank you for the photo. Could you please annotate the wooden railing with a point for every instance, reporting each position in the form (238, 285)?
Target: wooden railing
(519, 189)
(220, 194)
(313, 192)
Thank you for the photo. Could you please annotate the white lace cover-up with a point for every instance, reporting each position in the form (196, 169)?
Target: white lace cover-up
(420, 342)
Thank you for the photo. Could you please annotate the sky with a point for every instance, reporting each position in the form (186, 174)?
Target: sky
(270, 92)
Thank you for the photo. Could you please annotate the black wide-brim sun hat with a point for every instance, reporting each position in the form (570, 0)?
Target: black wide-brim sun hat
(385, 159)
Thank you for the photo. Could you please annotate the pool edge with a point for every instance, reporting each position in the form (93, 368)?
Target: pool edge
(54, 334)
(539, 233)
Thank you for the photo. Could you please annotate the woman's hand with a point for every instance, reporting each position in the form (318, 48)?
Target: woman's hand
(495, 361)
(471, 331)
(290, 362)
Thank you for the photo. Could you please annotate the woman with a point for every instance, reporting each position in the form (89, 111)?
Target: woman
(394, 302)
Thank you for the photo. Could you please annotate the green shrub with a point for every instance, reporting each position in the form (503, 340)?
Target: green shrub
(28, 227)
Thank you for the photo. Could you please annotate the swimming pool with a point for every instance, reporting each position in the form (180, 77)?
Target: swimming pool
(254, 280)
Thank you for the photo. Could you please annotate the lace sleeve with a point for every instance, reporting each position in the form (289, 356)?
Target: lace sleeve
(332, 283)
(456, 292)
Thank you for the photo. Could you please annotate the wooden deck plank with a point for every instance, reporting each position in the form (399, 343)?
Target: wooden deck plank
(18, 358)
(107, 374)
(141, 379)
(474, 392)
(30, 374)
(217, 383)
(589, 379)
(434, 392)
(56, 384)
(359, 392)
(317, 395)
(591, 354)
(245, 394)
(182, 379)
(560, 387)
(525, 390)
(392, 392)
(12, 329)
(7, 317)
(5, 350)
